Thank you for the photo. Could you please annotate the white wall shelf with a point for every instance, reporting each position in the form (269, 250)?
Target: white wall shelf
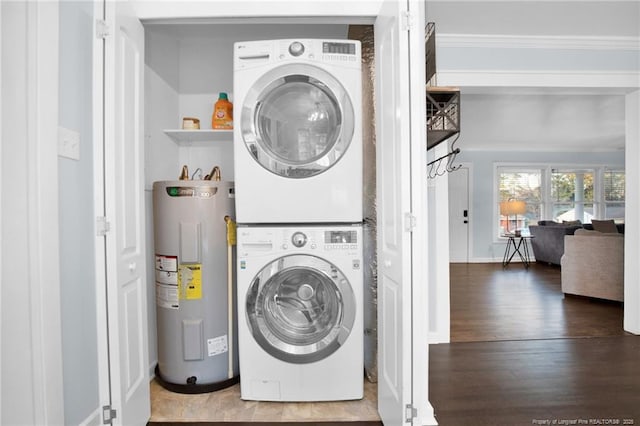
(189, 137)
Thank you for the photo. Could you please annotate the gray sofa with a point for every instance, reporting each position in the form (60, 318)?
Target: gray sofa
(548, 242)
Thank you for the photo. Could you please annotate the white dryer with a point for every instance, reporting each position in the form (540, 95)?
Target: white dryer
(300, 310)
(298, 131)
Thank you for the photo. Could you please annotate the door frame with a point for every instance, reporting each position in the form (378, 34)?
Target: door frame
(99, 206)
(418, 270)
(41, 390)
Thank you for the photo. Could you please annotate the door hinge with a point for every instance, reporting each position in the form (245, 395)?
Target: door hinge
(408, 20)
(102, 29)
(108, 414)
(409, 222)
(102, 226)
(410, 413)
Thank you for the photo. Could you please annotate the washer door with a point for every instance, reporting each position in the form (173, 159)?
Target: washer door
(300, 308)
(297, 121)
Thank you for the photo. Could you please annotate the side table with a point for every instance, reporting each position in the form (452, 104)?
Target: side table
(519, 244)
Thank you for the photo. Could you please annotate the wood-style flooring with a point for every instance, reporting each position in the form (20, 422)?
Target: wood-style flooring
(521, 354)
(593, 381)
(490, 303)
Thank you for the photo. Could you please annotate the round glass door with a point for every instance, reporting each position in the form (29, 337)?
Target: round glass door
(297, 121)
(300, 308)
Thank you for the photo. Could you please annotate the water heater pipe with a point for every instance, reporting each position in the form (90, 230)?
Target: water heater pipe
(231, 241)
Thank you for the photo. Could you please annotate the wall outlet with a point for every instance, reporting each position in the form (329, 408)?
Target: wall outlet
(68, 143)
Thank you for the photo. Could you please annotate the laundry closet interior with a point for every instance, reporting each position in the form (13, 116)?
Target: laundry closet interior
(187, 64)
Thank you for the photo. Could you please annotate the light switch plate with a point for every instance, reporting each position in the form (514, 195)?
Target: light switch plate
(68, 143)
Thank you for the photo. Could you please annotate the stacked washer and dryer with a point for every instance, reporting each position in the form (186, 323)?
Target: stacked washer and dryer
(298, 176)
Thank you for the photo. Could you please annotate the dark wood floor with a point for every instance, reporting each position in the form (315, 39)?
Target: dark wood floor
(519, 382)
(489, 303)
(524, 355)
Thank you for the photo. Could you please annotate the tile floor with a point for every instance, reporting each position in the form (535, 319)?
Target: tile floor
(226, 405)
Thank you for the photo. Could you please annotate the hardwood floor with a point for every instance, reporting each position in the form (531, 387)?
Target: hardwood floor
(522, 354)
(520, 382)
(489, 303)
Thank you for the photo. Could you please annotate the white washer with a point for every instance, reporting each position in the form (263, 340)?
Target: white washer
(298, 131)
(300, 312)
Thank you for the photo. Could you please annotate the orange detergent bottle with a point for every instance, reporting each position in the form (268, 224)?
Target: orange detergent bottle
(222, 113)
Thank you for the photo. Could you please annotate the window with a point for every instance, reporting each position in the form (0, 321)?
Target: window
(614, 189)
(572, 195)
(559, 194)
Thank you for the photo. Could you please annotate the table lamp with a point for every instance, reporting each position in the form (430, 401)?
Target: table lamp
(512, 207)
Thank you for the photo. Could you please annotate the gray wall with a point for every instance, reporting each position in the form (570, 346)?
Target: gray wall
(76, 215)
(482, 188)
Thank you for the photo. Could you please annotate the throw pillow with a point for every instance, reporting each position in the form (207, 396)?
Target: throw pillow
(571, 222)
(607, 226)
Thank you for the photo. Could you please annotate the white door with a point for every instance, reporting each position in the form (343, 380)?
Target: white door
(459, 215)
(401, 176)
(124, 187)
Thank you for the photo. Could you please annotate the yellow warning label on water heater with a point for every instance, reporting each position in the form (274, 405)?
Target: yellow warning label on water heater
(190, 281)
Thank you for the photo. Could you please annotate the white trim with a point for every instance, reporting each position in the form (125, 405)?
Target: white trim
(102, 329)
(438, 337)
(540, 79)
(1, 210)
(506, 41)
(499, 259)
(261, 9)
(421, 262)
(632, 206)
(439, 254)
(42, 214)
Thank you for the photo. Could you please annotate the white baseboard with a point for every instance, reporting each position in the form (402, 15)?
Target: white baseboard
(494, 260)
(437, 338)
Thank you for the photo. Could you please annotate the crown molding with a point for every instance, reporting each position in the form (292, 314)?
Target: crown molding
(501, 41)
(627, 80)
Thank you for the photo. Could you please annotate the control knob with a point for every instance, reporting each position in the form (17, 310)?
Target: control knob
(296, 48)
(299, 239)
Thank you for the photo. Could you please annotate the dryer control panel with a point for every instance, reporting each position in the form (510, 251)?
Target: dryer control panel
(248, 54)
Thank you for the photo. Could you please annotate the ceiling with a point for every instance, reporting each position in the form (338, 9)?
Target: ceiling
(540, 119)
(542, 122)
(544, 18)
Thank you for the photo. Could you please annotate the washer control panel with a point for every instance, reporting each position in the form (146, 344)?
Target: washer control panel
(271, 239)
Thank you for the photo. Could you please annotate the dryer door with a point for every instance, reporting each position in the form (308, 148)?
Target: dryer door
(300, 308)
(297, 121)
